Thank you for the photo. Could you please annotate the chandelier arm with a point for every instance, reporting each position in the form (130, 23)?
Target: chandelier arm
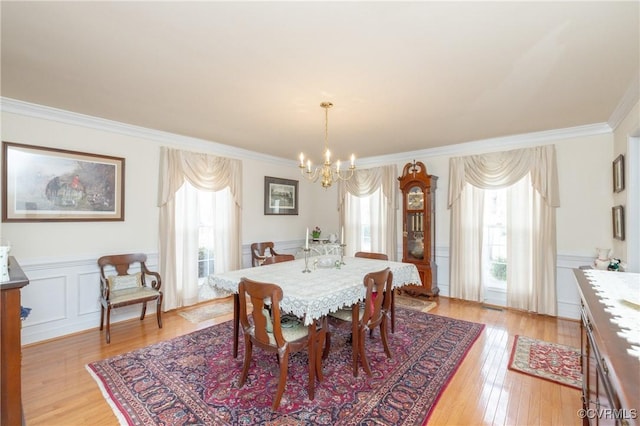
(340, 176)
(311, 176)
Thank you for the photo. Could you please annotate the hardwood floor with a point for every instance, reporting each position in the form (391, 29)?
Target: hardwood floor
(58, 390)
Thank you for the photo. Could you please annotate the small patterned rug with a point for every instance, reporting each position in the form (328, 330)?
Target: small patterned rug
(207, 312)
(549, 361)
(193, 379)
(415, 303)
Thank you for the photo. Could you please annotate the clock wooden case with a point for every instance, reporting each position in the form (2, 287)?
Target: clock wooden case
(418, 226)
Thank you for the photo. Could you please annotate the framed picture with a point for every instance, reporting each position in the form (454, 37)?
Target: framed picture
(42, 184)
(617, 214)
(280, 196)
(618, 174)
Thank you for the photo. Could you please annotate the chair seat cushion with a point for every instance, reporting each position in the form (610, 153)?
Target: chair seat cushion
(123, 296)
(344, 314)
(292, 328)
(293, 331)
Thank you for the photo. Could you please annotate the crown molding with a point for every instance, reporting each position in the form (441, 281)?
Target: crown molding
(468, 148)
(28, 109)
(494, 144)
(626, 104)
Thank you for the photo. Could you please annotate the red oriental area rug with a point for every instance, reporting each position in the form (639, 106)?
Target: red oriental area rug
(549, 361)
(193, 379)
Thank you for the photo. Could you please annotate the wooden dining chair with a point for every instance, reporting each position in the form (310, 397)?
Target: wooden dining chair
(127, 287)
(260, 251)
(382, 256)
(262, 328)
(269, 260)
(367, 316)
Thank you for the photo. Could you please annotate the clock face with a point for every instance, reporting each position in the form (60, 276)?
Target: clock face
(415, 198)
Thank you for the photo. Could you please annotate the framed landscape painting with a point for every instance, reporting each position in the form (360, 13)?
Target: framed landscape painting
(47, 184)
(280, 196)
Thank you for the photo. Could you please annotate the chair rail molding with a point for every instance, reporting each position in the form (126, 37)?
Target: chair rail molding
(63, 293)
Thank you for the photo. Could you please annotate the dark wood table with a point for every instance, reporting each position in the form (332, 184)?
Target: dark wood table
(611, 376)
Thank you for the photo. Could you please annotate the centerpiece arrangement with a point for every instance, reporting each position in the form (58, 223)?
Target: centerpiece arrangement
(315, 233)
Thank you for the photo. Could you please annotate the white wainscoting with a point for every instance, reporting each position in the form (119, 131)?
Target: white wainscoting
(64, 298)
(568, 299)
(63, 294)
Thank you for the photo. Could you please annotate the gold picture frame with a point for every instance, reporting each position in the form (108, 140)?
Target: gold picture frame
(617, 214)
(42, 184)
(618, 174)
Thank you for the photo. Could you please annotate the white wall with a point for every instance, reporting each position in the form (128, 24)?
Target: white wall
(316, 205)
(72, 239)
(628, 132)
(584, 177)
(583, 219)
(59, 258)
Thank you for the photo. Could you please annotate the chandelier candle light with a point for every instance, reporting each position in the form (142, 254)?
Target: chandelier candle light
(326, 171)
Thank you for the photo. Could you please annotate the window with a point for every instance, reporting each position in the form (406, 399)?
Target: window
(367, 220)
(185, 256)
(494, 250)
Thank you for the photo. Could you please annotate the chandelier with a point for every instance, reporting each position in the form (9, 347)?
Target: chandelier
(327, 172)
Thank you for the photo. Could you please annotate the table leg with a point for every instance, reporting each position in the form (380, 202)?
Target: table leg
(312, 360)
(355, 349)
(321, 342)
(236, 322)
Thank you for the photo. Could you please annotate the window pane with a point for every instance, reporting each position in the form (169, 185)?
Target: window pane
(495, 239)
(366, 220)
(206, 248)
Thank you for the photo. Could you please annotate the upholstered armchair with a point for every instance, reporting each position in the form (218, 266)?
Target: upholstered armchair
(120, 285)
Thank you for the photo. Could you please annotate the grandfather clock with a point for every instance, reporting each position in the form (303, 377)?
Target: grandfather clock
(418, 226)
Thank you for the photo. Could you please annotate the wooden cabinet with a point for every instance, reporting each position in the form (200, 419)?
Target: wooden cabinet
(10, 346)
(418, 225)
(610, 378)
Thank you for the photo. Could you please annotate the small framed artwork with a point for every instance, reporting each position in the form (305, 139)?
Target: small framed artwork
(280, 196)
(41, 184)
(618, 174)
(617, 214)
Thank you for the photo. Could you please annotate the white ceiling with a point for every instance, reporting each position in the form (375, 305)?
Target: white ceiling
(403, 76)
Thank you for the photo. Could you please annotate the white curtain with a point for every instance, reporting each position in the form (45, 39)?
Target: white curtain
(531, 176)
(179, 221)
(466, 263)
(365, 183)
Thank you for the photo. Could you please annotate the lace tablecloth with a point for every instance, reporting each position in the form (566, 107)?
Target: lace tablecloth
(620, 293)
(323, 290)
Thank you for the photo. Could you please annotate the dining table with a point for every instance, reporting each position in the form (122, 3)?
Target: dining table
(330, 283)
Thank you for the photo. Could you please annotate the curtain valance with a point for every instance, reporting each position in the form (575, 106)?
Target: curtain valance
(367, 181)
(204, 171)
(503, 169)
